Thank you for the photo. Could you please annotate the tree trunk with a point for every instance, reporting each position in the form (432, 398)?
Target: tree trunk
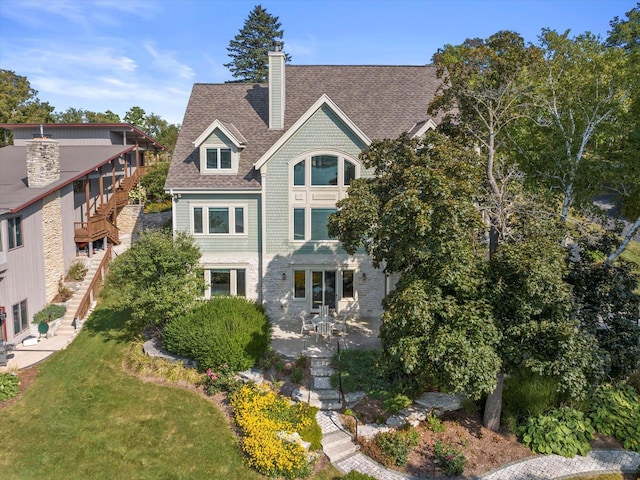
(627, 238)
(493, 407)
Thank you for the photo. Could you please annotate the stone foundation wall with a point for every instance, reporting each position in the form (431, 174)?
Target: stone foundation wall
(130, 219)
(52, 242)
(279, 302)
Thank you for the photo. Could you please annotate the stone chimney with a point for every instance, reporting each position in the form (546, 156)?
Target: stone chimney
(43, 161)
(276, 87)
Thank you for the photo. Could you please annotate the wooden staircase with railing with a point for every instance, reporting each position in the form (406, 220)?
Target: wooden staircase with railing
(99, 224)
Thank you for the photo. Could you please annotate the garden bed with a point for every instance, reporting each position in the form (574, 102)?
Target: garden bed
(484, 449)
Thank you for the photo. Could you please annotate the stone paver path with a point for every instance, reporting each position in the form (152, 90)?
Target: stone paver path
(540, 467)
(555, 466)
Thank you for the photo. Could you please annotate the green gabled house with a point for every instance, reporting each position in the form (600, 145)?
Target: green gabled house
(259, 167)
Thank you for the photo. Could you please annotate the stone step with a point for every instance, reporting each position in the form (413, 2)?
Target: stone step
(321, 371)
(317, 398)
(66, 330)
(320, 362)
(329, 405)
(320, 383)
(338, 445)
(325, 395)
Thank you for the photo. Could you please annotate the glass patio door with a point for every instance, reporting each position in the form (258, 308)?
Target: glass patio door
(324, 289)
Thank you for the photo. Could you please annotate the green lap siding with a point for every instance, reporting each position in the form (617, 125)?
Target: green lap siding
(249, 243)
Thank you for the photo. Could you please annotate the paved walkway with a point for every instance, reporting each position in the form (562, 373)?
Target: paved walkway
(539, 467)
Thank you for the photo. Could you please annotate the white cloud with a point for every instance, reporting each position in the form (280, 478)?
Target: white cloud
(166, 61)
(306, 47)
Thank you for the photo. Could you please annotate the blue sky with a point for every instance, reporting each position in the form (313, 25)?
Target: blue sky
(114, 54)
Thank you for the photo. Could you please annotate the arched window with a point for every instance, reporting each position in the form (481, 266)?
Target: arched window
(317, 182)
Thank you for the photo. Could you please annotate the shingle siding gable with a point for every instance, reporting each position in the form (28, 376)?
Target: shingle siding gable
(323, 131)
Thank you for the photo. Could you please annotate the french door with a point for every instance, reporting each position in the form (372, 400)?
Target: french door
(324, 289)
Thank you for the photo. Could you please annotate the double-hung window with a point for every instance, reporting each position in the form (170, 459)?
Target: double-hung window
(218, 158)
(20, 320)
(219, 220)
(15, 232)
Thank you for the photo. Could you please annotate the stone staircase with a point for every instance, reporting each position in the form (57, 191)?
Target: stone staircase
(321, 394)
(337, 442)
(67, 327)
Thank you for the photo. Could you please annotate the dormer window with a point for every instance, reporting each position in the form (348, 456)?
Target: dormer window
(219, 148)
(218, 158)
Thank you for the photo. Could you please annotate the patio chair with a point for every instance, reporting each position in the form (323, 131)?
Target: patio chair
(307, 325)
(323, 329)
(340, 325)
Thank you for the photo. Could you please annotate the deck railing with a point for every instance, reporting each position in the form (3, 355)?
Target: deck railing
(99, 226)
(94, 286)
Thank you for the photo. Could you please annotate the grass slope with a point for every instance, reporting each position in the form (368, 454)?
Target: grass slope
(85, 418)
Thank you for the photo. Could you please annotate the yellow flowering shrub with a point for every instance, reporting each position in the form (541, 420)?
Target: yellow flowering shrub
(263, 416)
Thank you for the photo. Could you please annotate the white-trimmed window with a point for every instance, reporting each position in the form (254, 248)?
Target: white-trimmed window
(348, 286)
(322, 282)
(324, 171)
(227, 281)
(316, 182)
(20, 319)
(310, 224)
(219, 159)
(219, 220)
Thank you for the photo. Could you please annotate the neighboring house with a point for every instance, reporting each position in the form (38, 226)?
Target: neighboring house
(258, 169)
(61, 188)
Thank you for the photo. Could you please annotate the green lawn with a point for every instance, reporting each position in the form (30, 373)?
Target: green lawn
(85, 418)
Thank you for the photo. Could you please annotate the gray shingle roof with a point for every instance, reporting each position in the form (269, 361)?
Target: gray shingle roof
(75, 162)
(383, 101)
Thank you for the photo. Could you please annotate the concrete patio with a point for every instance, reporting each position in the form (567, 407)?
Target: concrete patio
(361, 333)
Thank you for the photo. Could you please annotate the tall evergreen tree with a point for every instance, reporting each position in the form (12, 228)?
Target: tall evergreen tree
(249, 49)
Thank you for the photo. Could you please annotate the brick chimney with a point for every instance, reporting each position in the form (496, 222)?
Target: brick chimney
(276, 87)
(43, 161)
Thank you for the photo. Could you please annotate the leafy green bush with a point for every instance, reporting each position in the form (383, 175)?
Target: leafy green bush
(563, 431)
(153, 182)
(297, 375)
(9, 386)
(77, 271)
(615, 410)
(527, 394)
(451, 460)
(50, 312)
(158, 279)
(222, 379)
(395, 445)
(634, 380)
(223, 330)
(155, 207)
(396, 403)
(435, 424)
(138, 195)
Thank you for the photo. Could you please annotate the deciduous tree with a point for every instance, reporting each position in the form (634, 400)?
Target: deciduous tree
(19, 103)
(416, 217)
(624, 148)
(250, 48)
(158, 277)
(580, 91)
